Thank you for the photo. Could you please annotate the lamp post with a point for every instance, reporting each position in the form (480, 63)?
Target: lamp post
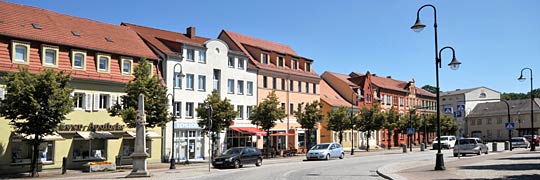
(522, 78)
(175, 76)
(509, 131)
(417, 27)
(358, 98)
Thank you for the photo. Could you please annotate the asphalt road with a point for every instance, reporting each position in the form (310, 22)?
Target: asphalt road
(348, 168)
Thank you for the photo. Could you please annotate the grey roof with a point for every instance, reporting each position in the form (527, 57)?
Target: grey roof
(463, 91)
(499, 108)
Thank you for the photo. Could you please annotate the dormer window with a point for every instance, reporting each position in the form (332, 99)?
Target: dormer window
(20, 52)
(294, 64)
(280, 61)
(308, 67)
(264, 58)
(103, 63)
(240, 63)
(78, 60)
(49, 56)
(127, 65)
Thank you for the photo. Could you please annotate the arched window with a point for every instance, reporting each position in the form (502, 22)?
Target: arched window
(482, 95)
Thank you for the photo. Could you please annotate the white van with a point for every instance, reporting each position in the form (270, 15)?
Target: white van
(447, 142)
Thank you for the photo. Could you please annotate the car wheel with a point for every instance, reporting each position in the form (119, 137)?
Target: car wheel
(236, 164)
(487, 151)
(259, 162)
(479, 152)
(342, 156)
(327, 157)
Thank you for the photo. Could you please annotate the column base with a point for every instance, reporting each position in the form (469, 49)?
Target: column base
(439, 162)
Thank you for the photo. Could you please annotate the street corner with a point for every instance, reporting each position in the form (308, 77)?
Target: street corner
(391, 171)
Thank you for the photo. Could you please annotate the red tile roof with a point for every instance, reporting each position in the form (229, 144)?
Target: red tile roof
(342, 77)
(241, 41)
(16, 21)
(393, 84)
(330, 96)
(167, 42)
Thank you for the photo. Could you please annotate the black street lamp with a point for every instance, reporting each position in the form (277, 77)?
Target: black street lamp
(522, 78)
(417, 27)
(179, 75)
(358, 98)
(509, 131)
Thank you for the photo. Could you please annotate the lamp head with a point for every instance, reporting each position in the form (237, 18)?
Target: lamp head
(181, 75)
(521, 78)
(418, 26)
(454, 65)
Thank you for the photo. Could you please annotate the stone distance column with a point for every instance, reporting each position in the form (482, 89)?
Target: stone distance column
(139, 155)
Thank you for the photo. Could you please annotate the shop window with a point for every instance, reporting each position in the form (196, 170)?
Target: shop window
(95, 149)
(21, 152)
(128, 147)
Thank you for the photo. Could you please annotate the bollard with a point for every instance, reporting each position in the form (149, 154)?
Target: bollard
(494, 146)
(64, 165)
(506, 145)
(404, 148)
(422, 147)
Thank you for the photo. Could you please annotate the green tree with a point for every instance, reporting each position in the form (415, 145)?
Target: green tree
(266, 113)
(155, 102)
(36, 104)
(430, 89)
(370, 120)
(339, 120)
(309, 118)
(447, 125)
(222, 115)
(391, 122)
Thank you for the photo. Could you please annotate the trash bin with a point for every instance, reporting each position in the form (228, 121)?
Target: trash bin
(404, 148)
(506, 145)
(494, 146)
(422, 147)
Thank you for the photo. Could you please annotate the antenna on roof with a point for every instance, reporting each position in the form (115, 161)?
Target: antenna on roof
(36, 25)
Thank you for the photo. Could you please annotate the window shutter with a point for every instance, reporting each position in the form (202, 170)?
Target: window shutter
(121, 101)
(88, 102)
(112, 100)
(2, 93)
(96, 101)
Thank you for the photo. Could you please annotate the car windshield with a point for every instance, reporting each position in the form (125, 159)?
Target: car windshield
(232, 151)
(320, 146)
(466, 141)
(442, 139)
(517, 139)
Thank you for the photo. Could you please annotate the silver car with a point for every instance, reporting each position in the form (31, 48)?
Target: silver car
(326, 151)
(520, 142)
(470, 146)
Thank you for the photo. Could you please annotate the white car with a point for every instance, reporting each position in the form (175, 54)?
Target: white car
(326, 151)
(447, 142)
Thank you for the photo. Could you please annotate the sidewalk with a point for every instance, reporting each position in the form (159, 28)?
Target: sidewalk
(517, 164)
(193, 169)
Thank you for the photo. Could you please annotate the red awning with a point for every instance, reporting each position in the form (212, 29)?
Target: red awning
(249, 130)
(281, 134)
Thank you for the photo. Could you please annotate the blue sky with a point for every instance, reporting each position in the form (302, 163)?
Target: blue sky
(493, 39)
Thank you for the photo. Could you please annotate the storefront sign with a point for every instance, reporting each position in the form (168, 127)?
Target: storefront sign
(186, 125)
(91, 127)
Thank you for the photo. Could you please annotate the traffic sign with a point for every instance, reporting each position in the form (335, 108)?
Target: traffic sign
(460, 107)
(410, 131)
(448, 110)
(509, 125)
(458, 114)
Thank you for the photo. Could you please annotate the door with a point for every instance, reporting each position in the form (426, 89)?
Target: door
(191, 148)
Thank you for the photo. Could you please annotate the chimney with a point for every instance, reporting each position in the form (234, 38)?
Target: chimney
(390, 77)
(190, 32)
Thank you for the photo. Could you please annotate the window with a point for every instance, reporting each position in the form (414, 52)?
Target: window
(265, 82)
(78, 100)
(190, 54)
(248, 110)
(249, 88)
(49, 56)
(314, 88)
(488, 121)
(231, 62)
(127, 66)
(78, 60)
(178, 109)
(241, 63)
(103, 101)
(482, 95)
(189, 81)
(202, 56)
(230, 86)
(274, 83)
(240, 110)
(291, 85)
(202, 83)
(264, 58)
(479, 122)
(240, 87)
(20, 52)
(383, 99)
(189, 109)
(177, 80)
(291, 108)
(280, 61)
(283, 105)
(499, 120)
(307, 87)
(21, 152)
(283, 84)
(308, 67)
(401, 101)
(299, 86)
(388, 100)
(294, 64)
(103, 63)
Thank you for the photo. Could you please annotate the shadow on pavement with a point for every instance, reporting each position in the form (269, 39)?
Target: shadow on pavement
(510, 167)
(520, 177)
(521, 158)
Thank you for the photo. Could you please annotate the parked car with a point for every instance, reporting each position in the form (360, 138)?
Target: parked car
(326, 151)
(520, 142)
(536, 139)
(446, 142)
(237, 157)
(470, 146)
